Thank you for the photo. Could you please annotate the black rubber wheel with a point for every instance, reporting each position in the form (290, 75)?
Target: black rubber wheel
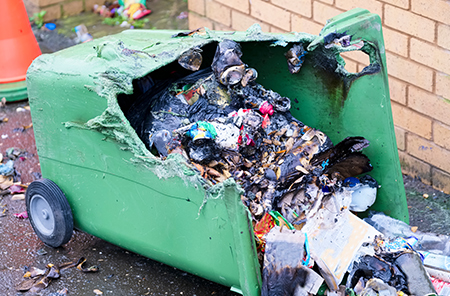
(49, 212)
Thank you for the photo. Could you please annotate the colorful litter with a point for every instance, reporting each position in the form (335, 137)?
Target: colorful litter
(37, 279)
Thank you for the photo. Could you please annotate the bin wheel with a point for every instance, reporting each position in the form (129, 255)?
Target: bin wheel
(49, 212)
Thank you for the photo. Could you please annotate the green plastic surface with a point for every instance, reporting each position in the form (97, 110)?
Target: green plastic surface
(120, 192)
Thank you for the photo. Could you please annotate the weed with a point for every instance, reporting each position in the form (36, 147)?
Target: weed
(38, 18)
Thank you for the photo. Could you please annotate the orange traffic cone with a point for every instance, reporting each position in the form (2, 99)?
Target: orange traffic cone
(18, 48)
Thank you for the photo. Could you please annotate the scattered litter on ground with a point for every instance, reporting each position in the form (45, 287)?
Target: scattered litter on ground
(183, 15)
(82, 34)
(22, 215)
(7, 169)
(41, 252)
(16, 188)
(37, 279)
(18, 197)
(126, 13)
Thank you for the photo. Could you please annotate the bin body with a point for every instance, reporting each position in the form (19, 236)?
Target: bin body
(120, 192)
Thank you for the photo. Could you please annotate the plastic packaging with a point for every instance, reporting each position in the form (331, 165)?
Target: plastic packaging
(392, 228)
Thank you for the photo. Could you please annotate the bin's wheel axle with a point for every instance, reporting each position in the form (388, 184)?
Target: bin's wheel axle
(49, 212)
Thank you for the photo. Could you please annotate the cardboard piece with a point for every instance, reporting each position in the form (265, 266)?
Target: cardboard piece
(336, 247)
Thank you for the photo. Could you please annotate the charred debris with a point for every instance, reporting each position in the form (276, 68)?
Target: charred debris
(299, 187)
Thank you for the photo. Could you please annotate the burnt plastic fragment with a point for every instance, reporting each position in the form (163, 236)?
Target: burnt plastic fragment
(227, 64)
(191, 59)
(295, 58)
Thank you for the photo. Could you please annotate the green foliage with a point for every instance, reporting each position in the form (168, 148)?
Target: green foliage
(140, 23)
(115, 21)
(38, 18)
(119, 19)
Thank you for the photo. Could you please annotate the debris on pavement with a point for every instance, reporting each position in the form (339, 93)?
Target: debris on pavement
(301, 190)
(7, 169)
(126, 13)
(18, 197)
(61, 292)
(22, 215)
(82, 34)
(37, 279)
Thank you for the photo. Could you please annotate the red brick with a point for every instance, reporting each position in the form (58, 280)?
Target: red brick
(395, 41)
(400, 136)
(242, 22)
(397, 90)
(415, 168)
(72, 8)
(301, 7)
(32, 7)
(350, 65)
(53, 13)
(441, 135)
(441, 180)
(361, 67)
(243, 6)
(435, 9)
(304, 25)
(399, 3)
(371, 5)
(276, 30)
(197, 6)
(411, 121)
(43, 3)
(428, 152)
(197, 21)
(409, 71)
(430, 55)
(429, 104)
(220, 27)
(443, 38)
(89, 4)
(323, 12)
(271, 14)
(443, 85)
(331, 2)
(358, 56)
(218, 12)
(408, 22)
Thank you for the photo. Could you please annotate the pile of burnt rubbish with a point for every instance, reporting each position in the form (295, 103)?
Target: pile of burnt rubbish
(300, 188)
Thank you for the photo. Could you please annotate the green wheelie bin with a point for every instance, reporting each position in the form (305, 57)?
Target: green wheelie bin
(101, 179)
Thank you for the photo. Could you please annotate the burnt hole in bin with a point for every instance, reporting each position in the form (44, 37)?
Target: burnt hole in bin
(355, 61)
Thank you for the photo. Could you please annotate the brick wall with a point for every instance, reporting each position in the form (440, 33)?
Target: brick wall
(417, 41)
(59, 8)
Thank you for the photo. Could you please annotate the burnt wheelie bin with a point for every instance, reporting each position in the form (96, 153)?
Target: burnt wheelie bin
(100, 178)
